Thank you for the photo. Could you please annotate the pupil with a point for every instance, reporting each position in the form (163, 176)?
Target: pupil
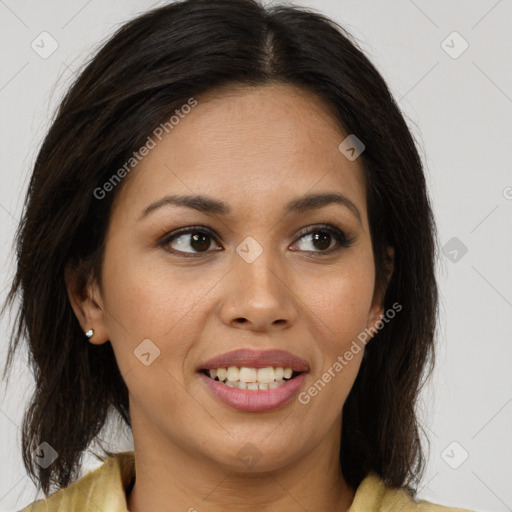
(201, 242)
(323, 238)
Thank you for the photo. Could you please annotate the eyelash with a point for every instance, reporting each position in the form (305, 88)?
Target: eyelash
(337, 234)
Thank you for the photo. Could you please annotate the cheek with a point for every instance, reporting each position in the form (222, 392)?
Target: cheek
(340, 305)
(340, 300)
(148, 301)
(146, 297)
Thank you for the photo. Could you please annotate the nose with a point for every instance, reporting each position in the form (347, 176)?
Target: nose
(259, 296)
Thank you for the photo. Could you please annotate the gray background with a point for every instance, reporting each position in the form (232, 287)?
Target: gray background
(459, 106)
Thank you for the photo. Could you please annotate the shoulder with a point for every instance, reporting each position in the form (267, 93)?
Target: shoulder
(373, 495)
(100, 489)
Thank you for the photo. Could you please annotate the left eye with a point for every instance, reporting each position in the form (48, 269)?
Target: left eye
(324, 239)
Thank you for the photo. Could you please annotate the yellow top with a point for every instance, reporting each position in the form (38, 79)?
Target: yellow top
(105, 489)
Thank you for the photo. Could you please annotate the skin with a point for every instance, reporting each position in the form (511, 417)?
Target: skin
(252, 148)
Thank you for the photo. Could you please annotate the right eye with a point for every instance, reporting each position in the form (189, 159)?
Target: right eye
(199, 239)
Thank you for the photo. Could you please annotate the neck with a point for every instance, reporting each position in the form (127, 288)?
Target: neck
(174, 479)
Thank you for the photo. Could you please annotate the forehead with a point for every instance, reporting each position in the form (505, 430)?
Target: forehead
(253, 147)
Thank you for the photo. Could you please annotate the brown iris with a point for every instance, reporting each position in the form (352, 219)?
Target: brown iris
(200, 241)
(322, 240)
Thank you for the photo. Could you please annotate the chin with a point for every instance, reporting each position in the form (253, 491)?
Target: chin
(258, 453)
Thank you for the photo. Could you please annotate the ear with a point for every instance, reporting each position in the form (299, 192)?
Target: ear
(85, 298)
(377, 308)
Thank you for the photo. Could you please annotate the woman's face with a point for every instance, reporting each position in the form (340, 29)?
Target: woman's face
(255, 274)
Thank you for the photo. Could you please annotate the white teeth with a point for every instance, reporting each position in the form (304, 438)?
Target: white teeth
(233, 374)
(254, 386)
(266, 375)
(248, 374)
(252, 378)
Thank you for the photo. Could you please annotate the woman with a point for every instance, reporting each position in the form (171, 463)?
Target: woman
(228, 239)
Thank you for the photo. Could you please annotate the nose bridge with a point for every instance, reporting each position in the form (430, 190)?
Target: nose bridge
(258, 267)
(258, 297)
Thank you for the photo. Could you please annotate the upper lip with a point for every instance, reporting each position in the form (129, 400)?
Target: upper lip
(257, 359)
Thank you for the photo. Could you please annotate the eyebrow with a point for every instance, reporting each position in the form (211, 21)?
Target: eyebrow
(207, 204)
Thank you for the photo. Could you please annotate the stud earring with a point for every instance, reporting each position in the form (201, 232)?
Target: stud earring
(89, 333)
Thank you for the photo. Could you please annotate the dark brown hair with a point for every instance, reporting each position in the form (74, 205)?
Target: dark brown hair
(150, 67)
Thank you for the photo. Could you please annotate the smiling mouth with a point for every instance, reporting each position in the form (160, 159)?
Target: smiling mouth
(252, 378)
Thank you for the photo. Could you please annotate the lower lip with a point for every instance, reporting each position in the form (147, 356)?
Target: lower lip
(255, 400)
